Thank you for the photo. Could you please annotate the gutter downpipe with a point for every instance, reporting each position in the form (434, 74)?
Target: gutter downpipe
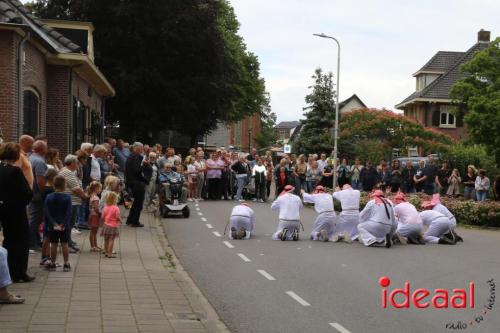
(20, 96)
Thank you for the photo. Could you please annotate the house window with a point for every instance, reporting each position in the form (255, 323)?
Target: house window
(31, 110)
(447, 117)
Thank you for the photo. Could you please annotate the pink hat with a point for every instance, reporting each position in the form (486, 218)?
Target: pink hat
(377, 195)
(427, 204)
(287, 189)
(319, 189)
(400, 197)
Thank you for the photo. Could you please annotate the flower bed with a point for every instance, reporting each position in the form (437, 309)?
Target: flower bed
(466, 212)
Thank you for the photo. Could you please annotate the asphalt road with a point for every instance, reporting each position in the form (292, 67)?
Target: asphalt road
(265, 286)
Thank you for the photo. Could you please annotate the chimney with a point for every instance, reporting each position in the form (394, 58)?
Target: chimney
(483, 36)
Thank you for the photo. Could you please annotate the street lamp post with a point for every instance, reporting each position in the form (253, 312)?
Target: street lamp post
(249, 140)
(336, 129)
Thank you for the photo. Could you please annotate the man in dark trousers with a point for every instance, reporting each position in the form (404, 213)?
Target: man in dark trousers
(135, 180)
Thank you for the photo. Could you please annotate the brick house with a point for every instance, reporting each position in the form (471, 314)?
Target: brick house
(431, 104)
(285, 129)
(49, 84)
(240, 135)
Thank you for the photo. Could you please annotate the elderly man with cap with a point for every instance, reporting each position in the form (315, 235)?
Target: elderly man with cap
(439, 226)
(289, 206)
(324, 226)
(409, 221)
(241, 222)
(347, 227)
(377, 221)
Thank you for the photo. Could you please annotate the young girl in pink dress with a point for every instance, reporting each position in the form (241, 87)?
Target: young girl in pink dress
(112, 221)
(94, 217)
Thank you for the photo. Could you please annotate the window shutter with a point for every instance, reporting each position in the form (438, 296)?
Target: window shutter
(435, 118)
(460, 119)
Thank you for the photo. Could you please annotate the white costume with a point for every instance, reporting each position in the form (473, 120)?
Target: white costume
(439, 225)
(443, 210)
(409, 221)
(289, 206)
(326, 219)
(375, 223)
(242, 216)
(349, 216)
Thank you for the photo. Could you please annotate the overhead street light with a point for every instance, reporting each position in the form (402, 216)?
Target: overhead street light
(336, 128)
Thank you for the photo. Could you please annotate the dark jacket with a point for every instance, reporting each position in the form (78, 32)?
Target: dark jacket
(15, 193)
(134, 169)
(239, 168)
(369, 178)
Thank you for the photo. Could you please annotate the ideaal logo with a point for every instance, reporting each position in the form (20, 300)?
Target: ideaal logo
(439, 299)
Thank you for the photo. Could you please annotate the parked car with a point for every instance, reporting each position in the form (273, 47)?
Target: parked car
(413, 160)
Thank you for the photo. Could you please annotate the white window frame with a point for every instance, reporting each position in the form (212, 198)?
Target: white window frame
(447, 110)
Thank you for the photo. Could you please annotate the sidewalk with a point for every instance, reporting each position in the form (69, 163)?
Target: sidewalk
(144, 289)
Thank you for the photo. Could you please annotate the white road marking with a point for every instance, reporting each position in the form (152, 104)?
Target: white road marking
(197, 208)
(209, 226)
(258, 240)
(343, 265)
(266, 275)
(229, 245)
(204, 219)
(310, 247)
(299, 248)
(217, 234)
(339, 328)
(244, 257)
(297, 298)
(200, 213)
(196, 204)
(262, 254)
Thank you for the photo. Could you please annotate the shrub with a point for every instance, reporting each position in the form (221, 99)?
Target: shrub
(461, 155)
(485, 214)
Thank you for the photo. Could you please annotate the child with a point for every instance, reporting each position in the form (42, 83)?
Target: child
(111, 184)
(112, 220)
(58, 218)
(192, 177)
(94, 190)
(49, 188)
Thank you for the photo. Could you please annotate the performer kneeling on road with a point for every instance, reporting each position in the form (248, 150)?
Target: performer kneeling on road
(325, 223)
(439, 231)
(241, 222)
(409, 221)
(436, 205)
(347, 226)
(377, 221)
(289, 206)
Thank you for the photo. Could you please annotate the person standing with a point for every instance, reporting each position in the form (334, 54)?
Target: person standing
(442, 178)
(454, 184)
(347, 226)
(327, 175)
(121, 155)
(26, 143)
(343, 173)
(355, 171)
(469, 183)
(429, 179)
(418, 178)
(39, 167)
(322, 162)
(324, 225)
(213, 177)
(313, 176)
(384, 176)
(75, 190)
(299, 173)
(259, 173)
(369, 177)
(15, 194)
(240, 168)
(135, 180)
(407, 178)
(396, 179)
(482, 185)
(377, 221)
(289, 206)
(201, 168)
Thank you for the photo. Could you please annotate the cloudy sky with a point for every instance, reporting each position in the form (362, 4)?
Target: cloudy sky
(383, 43)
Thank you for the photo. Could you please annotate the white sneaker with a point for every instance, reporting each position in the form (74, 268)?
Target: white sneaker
(190, 200)
(75, 231)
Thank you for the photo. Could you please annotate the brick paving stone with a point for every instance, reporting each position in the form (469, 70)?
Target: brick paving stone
(131, 293)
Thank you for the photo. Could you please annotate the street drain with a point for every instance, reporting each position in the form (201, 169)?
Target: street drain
(189, 316)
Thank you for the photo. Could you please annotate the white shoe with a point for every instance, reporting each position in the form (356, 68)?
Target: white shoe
(347, 239)
(336, 238)
(75, 231)
(190, 200)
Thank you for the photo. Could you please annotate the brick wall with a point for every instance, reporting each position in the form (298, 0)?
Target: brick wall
(8, 97)
(35, 77)
(58, 108)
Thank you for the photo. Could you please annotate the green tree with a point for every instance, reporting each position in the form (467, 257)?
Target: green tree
(177, 64)
(385, 130)
(267, 135)
(315, 133)
(480, 92)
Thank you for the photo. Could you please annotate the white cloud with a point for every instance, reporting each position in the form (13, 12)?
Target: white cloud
(383, 43)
